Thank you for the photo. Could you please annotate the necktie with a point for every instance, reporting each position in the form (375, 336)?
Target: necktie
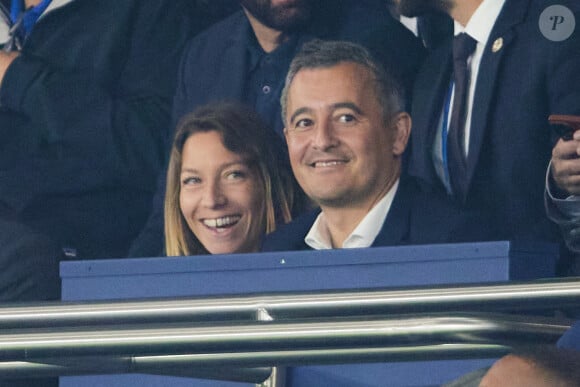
(463, 47)
(22, 22)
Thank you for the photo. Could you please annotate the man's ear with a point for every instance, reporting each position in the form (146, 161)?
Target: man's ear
(401, 125)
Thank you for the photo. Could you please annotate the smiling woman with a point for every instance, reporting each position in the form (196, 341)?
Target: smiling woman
(228, 183)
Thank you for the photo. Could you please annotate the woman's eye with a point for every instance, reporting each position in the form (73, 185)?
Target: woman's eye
(191, 180)
(236, 175)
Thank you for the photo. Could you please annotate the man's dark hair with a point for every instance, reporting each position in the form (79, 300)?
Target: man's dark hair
(324, 53)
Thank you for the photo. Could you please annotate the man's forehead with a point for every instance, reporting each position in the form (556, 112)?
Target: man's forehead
(342, 74)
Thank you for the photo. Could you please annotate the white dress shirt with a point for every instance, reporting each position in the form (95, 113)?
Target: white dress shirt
(410, 23)
(365, 232)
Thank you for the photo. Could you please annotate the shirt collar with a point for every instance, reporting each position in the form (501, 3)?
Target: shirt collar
(482, 21)
(282, 54)
(56, 4)
(365, 232)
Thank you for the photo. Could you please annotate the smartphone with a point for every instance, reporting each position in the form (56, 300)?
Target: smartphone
(565, 125)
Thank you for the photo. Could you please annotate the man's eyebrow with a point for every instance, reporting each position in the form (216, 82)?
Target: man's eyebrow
(339, 105)
(348, 105)
(298, 112)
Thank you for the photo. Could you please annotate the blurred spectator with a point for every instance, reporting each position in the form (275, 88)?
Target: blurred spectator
(28, 265)
(245, 58)
(85, 106)
(534, 367)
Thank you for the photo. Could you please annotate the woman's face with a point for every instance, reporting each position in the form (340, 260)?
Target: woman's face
(221, 196)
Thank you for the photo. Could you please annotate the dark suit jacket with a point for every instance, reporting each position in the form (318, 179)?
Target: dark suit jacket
(518, 87)
(415, 217)
(83, 120)
(215, 65)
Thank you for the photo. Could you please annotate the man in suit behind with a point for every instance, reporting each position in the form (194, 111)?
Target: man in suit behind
(346, 132)
(520, 71)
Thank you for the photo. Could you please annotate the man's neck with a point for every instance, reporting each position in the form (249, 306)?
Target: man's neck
(268, 38)
(462, 10)
(341, 221)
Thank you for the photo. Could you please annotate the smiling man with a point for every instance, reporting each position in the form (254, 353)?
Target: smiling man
(346, 132)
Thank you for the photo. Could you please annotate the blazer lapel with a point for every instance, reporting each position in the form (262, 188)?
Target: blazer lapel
(428, 98)
(231, 83)
(395, 230)
(498, 43)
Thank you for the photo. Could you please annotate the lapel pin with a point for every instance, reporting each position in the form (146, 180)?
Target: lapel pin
(497, 45)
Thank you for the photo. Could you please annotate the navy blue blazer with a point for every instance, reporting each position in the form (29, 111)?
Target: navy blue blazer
(415, 217)
(523, 78)
(215, 65)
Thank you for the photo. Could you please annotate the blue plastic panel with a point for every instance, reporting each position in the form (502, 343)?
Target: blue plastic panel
(313, 270)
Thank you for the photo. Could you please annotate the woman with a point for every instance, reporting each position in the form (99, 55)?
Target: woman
(228, 183)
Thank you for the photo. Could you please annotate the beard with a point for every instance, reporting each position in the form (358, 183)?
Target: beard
(286, 17)
(412, 8)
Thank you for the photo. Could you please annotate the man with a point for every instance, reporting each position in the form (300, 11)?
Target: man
(346, 140)
(245, 58)
(481, 131)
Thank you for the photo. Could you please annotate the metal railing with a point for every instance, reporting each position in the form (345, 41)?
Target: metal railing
(199, 337)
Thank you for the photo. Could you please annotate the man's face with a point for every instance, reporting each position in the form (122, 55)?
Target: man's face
(342, 152)
(412, 8)
(281, 15)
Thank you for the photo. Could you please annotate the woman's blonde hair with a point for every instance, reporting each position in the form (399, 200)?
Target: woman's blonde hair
(242, 132)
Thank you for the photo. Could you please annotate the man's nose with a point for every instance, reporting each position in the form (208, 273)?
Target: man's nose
(324, 135)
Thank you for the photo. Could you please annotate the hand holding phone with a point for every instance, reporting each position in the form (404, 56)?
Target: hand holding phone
(565, 125)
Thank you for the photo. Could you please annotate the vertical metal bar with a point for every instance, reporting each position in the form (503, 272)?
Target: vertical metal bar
(278, 376)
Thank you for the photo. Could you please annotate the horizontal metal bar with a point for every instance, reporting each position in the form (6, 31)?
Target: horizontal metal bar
(182, 338)
(197, 365)
(548, 294)
(113, 365)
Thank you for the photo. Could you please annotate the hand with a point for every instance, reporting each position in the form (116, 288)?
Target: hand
(566, 165)
(6, 59)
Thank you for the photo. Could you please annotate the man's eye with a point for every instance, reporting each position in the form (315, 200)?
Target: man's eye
(303, 124)
(346, 118)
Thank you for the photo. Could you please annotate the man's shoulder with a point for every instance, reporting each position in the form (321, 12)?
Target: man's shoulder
(222, 29)
(290, 236)
(218, 37)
